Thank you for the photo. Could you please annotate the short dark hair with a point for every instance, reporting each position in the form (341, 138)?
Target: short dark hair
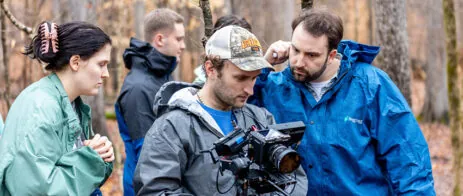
(216, 61)
(231, 20)
(160, 19)
(74, 38)
(319, 22)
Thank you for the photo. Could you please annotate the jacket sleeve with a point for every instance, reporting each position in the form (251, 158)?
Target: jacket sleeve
(401, 150)
(49, 171)
(162, 162)
(137, 110)
(259, 87)
(108, 170)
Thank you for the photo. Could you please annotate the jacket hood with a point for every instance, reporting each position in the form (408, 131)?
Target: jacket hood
(142, 55)
(181, 95)
(355, 52)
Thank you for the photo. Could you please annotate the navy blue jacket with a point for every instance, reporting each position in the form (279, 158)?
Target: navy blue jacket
(361, 137)
(149, 70)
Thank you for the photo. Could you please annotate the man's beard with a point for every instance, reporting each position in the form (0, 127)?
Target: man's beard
(223, 95)
(309, 77)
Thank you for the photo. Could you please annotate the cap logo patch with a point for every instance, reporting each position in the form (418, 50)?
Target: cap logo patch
(251, 42)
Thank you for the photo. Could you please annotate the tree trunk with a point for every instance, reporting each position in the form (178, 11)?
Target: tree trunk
(139, 15)
(6, 76)
(436, 99)
(207, 16)
(26, 73)
(391, 20)
(370, 22)
(454, 88)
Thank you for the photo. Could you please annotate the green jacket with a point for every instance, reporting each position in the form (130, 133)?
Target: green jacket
(36, 148)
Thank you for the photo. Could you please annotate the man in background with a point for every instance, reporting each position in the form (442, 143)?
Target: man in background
(151, 63)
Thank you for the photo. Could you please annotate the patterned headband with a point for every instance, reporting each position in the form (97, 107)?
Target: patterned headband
(49, 35)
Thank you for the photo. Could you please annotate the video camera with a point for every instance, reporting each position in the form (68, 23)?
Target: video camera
(269, 151)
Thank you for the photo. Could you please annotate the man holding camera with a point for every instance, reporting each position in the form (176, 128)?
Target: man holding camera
(190, 120)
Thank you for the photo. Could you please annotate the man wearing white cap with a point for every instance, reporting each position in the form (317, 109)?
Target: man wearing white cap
(190, 120)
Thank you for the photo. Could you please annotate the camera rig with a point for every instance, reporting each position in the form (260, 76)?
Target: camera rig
(260, 159)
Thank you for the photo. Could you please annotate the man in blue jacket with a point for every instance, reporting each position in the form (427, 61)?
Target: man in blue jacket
(151, 63)
(361, 136)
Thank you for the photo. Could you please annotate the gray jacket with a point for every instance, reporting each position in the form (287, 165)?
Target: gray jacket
(171, 162)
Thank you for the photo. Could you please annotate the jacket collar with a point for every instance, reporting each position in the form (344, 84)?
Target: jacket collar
(141, 55)
(352, 53)
(180, 95)
(68, 111)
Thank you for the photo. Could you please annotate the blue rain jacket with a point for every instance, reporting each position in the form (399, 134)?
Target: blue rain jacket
(361, 137)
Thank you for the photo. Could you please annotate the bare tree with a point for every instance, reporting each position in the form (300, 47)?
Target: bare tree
(436, 99)
(20, 26)
(139, 14)
(370, 21)
(206, 8)
(29, 31)
(6, 73)
(454, 88)
(391, 20)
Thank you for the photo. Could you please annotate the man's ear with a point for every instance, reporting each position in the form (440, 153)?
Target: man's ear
(332, 56)
(209, 68)
(158, 40)
(74, 62)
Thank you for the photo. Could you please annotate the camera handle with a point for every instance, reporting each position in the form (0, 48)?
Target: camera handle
(245, 188)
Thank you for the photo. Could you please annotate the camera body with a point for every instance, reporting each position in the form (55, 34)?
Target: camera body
(262, 159)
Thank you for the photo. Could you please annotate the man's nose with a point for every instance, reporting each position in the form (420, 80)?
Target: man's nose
(249, 88)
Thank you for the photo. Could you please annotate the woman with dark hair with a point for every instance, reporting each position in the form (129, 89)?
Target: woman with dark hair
(48, 146)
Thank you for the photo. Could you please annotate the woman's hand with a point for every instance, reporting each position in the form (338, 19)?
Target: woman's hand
(102, 146)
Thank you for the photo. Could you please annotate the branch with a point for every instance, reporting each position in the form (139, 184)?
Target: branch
(204, 4)
(13, 20)
(306, 4)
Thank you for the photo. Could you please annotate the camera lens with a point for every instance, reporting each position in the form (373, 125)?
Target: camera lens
(285, 159)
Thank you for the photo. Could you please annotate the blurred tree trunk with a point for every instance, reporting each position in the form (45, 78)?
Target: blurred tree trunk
(26, 72)
(356, 20)
(207, 16)
(454, 88)
(6, 73)
(436, 99)
(267, 26)
(391, 20)
(79, 10)
(370, 21)
(139, 15)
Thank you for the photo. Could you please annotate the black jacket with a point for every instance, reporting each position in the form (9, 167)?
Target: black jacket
(149, 70)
